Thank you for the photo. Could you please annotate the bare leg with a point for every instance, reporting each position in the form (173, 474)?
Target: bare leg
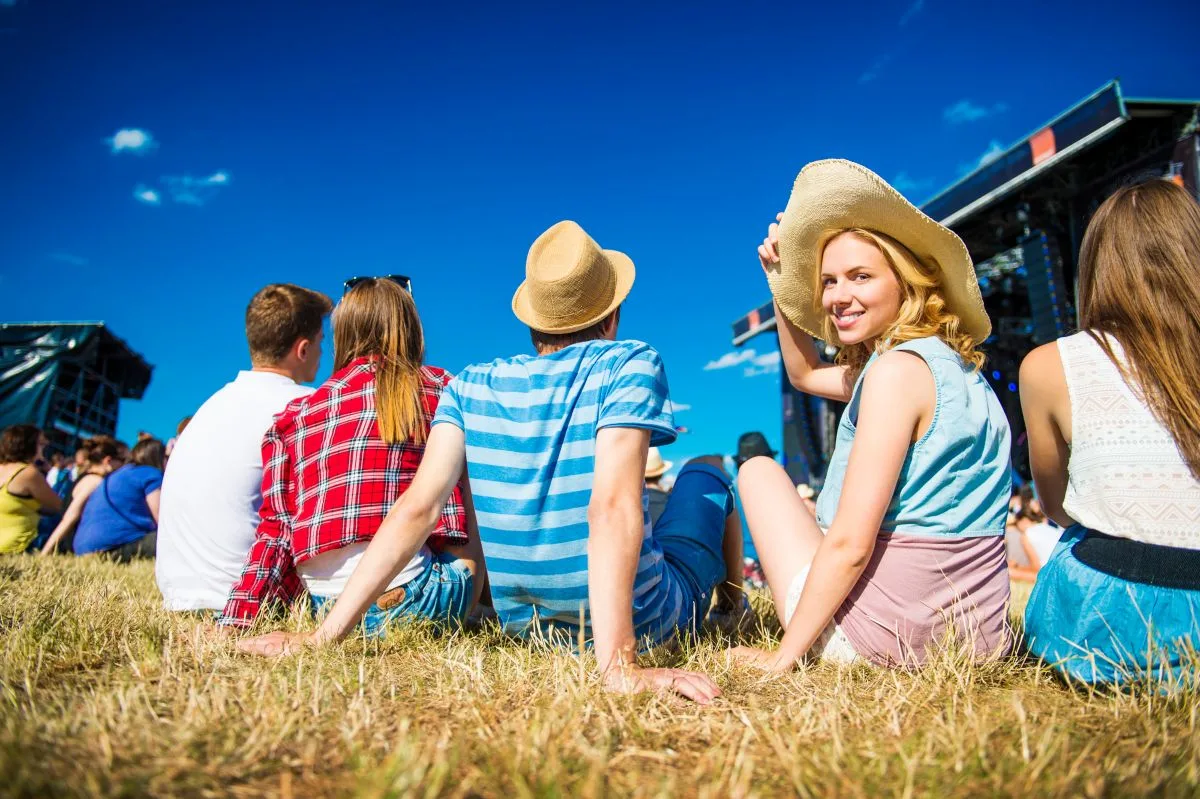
(729, 593)
(784, 532)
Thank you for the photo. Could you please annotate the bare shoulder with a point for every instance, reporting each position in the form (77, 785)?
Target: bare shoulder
(902, 378)
(1042, 371)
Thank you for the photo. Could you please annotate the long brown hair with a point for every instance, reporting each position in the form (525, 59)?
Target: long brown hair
(923, 311)
(1137, 283)
(378, 319)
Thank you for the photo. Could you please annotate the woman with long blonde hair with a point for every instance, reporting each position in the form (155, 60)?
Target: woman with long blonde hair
(907, 545)
(338, 459)
(1113, 414)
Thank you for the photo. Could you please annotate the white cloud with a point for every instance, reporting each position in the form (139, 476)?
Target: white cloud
(676, 407)
(765, 364)
(965, 111)
(147, 195)
(908, 186)
(875, 69)
(995, 150)
(730, 359)
(911, 12)
(188, 190)
(68, 258)
(132, 140)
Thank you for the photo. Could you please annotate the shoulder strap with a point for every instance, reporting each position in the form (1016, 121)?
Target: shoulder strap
(13, 476)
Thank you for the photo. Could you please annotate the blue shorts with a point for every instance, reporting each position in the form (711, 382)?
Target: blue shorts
(440, 593)
(1098, 628)
(690, 533)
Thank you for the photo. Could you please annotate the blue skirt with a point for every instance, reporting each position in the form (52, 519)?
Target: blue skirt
(1097, 628)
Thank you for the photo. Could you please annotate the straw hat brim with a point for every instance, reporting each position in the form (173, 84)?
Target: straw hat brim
(623, 269)
(835, 194)
(659, 470)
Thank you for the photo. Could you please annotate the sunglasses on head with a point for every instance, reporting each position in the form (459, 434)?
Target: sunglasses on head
(404, 281)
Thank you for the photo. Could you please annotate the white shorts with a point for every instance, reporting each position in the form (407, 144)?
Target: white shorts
(832, 644)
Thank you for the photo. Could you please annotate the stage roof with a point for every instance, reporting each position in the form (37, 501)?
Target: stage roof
(125, 370)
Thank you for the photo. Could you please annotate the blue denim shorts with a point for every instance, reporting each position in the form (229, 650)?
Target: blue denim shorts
(441, 593)
(690, 533)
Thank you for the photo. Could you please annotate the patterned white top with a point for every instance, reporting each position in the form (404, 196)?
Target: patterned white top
(1126, 476)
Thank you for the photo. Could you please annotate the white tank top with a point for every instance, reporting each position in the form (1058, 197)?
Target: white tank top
(1126, 476)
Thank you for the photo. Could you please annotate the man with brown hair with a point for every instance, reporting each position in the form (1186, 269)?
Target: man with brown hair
(212, 489)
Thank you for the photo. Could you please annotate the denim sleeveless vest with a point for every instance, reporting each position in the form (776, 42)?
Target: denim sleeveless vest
(956, 480)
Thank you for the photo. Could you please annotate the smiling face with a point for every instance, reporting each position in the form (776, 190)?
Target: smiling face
(859, 291)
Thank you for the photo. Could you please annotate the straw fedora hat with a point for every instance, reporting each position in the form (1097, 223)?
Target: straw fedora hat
(570, 282)
(655, 465)
(834, 194)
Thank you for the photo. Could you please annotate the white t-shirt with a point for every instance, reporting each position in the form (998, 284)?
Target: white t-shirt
(326, 574)
(1044, 538)
(212, 490)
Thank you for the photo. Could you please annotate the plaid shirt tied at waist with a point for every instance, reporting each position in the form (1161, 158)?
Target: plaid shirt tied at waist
(328, 481)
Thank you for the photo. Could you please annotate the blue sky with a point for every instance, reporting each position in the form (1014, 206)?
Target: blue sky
(163, 160)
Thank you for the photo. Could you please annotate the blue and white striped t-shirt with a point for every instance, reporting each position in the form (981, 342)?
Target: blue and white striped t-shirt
(530, 424)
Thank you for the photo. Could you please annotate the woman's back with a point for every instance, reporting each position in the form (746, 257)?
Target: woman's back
(18, 515)
(117, 512)
(1126, 475)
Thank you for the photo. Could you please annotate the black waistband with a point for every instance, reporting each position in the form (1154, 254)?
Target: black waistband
(1137, 562)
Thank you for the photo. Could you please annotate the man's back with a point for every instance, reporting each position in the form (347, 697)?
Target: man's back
(213, 488)
(531, 424)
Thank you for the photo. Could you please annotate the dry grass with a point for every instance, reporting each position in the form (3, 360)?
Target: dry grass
(103, 692)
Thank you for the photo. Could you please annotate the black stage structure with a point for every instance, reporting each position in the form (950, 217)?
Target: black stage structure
(67, 378)
(1022, 216)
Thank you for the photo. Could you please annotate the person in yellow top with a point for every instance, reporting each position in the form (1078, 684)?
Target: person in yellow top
(25, 492)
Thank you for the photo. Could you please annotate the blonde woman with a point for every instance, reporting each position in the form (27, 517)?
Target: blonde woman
(338, 459)
(907, 545)
(1114, 442)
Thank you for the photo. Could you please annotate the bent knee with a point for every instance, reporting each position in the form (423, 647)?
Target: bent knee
(756, 468)
(715, 461)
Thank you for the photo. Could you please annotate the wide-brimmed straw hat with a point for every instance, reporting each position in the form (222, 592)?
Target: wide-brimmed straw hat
(834, 194)
(655, 465)
(570, 282)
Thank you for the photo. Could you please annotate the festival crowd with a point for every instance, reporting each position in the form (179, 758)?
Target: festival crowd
(530, 488)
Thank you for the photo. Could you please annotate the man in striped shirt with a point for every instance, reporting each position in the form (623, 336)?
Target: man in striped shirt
(556, 446)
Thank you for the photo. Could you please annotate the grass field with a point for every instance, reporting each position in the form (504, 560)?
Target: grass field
(103, 692)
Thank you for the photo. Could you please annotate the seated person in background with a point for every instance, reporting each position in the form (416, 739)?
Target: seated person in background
(1113, 416)
(96, 458)
(752, 445)
(1029, 541)
(656, 467)
(121, 515)
(557, 445)
(213, 489)
(339, 458)
(24, 493)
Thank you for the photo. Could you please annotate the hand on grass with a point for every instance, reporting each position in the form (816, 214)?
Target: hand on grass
(274, 644)
(691, 684)
(759, 659)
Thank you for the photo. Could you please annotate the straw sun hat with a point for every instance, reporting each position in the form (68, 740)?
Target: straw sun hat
(835, 194)
(570, 282)
(655, 465)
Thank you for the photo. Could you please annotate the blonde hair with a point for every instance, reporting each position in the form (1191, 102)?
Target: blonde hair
(923, 311)
(1137, 283)
(378, 319)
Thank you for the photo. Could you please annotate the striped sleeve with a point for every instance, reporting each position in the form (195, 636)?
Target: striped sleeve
(637, 395)
(449, 409)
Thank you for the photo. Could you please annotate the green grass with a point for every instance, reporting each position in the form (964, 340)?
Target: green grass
(103, 692)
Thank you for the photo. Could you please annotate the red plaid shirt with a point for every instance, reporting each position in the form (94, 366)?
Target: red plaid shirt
(328, 481)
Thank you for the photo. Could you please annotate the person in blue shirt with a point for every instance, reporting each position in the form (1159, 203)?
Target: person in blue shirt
(121, 516)
(556, 446)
